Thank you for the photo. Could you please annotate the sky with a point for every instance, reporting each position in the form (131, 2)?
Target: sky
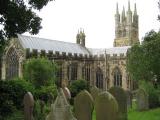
(61, 20)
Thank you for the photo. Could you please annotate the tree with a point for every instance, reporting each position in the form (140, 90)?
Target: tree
(143, 61)
(40, 71)
(18, 16)
(77, 86)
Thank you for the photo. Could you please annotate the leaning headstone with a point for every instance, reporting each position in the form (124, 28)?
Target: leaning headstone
(83, 105)
(94, 92)
(120, 96)
(129, 99)
(106, 107)
(60, 110)
(142, 100)
(28, 106)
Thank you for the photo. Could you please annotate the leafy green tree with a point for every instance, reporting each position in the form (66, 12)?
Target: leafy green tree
(143, 61)
(18, 16)
(40, 71)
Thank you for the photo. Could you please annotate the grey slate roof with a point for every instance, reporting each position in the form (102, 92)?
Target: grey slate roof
(54, 45)
(111, 51)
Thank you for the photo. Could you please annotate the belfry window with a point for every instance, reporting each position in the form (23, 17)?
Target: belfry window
(72, 72)
(117, 77)
(86, 72)
(99, 78)
(12, 64)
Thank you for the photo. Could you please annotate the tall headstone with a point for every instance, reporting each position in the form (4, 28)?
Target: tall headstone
(142, 100)
(28, 106)
(120, 96)
(60, 110)
(129, 99)
(106, 107)
(94, 92)
(83, 105)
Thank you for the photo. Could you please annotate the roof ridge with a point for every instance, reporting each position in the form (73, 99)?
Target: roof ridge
(45, 38)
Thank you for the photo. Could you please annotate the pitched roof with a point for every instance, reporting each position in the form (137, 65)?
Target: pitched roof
(60, 46)
(54, 45)
(111, 51)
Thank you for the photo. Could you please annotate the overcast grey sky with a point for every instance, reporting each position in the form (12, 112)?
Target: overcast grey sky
(63, 18)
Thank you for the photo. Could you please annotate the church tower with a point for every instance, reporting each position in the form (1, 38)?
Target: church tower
(80, 38)
(126, 27)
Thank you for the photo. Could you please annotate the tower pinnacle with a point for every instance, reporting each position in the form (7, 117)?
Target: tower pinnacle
(135, 9)
(129, 8)
(117, 10)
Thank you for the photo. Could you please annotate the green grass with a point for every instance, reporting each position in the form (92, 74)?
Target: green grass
(133, 114)
(152, 114)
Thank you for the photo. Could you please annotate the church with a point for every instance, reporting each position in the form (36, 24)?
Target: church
(103, 68)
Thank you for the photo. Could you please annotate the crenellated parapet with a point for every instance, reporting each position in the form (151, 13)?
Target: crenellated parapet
(29, 53)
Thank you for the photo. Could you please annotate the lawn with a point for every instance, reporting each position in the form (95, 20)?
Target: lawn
(153, 114)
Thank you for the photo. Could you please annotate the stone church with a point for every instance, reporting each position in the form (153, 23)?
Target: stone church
(103, 68)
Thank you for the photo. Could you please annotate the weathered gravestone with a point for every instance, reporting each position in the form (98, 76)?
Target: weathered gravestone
(129, 99)
(28, 106)
(60, 110)
(83, 105)
(67, 93)
(120, 96)
(94, 92)
(106, 107)
(142, 100)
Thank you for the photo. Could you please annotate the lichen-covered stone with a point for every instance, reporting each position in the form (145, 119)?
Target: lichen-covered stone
(121, 97)
(83, 105)
(60, 110)
(28, 106)
(129, 99)
(106, 107)
(94, 92)
(142, 100)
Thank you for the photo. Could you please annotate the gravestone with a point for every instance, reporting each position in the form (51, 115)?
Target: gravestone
(121, 97)
(67, 93)
(142, 100)
(83, 105)
(94, 92)
(106, 107)
(60, 110)
(129, 99)
(28, 106)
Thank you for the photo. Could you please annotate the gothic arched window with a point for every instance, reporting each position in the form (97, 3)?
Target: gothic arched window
(12, 64)
(117, 77)
(99, 78)
(59, 74)
(86, 72)
(72, 72)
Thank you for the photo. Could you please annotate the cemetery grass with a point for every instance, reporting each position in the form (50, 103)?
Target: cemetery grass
(133, 114)
(152, 114)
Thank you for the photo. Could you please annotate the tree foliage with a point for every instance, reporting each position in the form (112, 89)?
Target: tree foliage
(143, 61)
(18, 16)
(40, 71)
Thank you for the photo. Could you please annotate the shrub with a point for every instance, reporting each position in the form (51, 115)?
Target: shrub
(12, 93)
(77, 86)
(40, 71)
(46, 93)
